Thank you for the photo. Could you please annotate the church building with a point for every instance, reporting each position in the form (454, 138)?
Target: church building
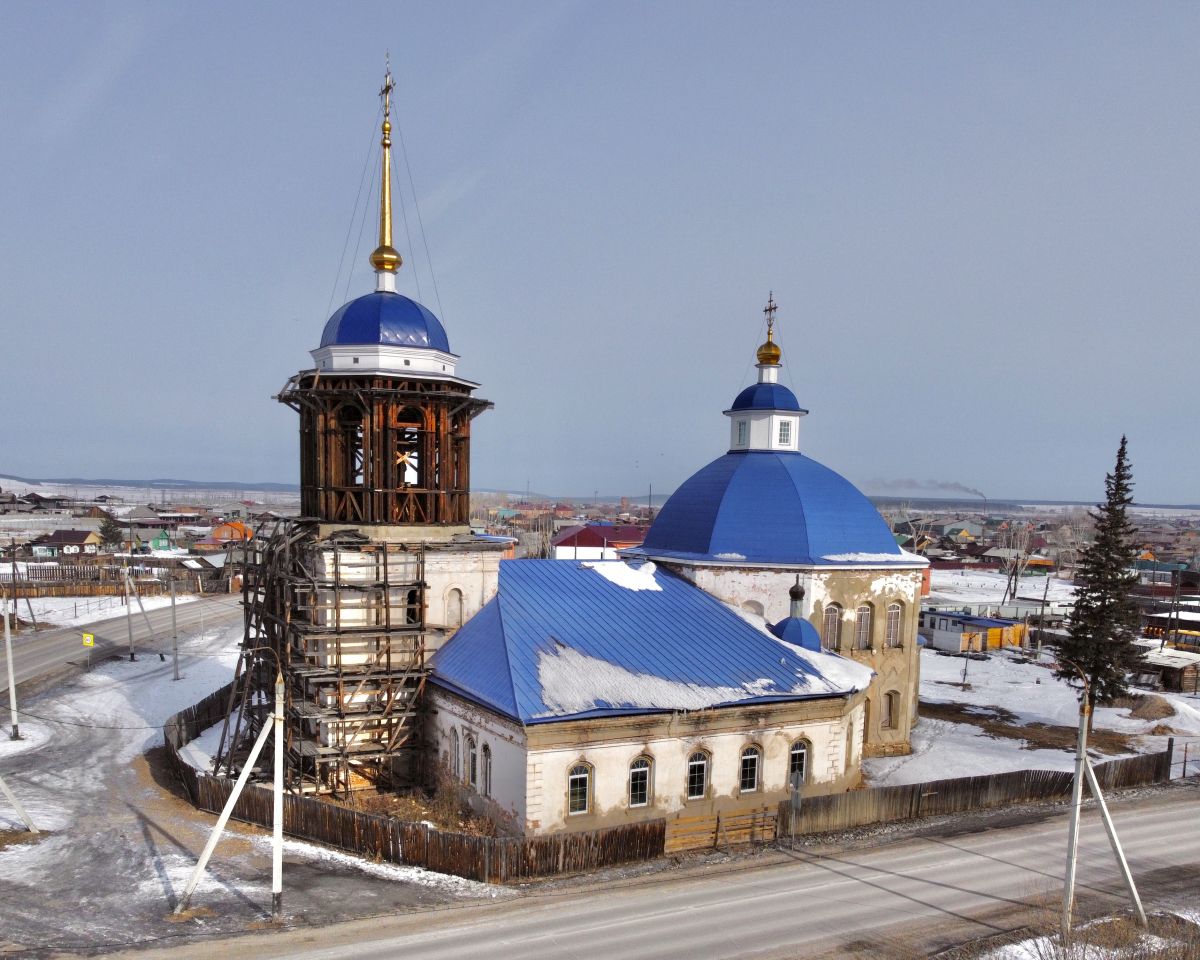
(761, 640)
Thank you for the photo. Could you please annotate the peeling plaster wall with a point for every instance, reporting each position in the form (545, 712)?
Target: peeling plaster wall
(764, 591)
(609, 745)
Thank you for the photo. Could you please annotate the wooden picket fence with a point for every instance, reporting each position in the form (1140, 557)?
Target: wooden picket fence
(490, 859)
(514, 859)
(858, 808)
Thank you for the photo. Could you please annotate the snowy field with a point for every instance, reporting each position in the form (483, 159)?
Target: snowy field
(943, 749)
(950, 587)
(79, 611)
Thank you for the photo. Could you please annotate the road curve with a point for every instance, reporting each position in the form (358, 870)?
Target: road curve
(46, 651)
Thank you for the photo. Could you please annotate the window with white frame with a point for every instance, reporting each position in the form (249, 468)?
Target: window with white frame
(639, 782)
(743, 429)
(894, 619)
(798, 763)
(862, 628)
(472, 762)
(487, 770)
(785, 433)
(579, 782)
(831, 628)
(697, 776)
(748, 774)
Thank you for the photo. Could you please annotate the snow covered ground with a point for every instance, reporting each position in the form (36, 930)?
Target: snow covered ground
(950, 587)
(78, 611)
(943, 749)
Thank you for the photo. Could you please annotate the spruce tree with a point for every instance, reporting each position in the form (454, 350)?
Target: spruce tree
(1105, 621)
(111, 532)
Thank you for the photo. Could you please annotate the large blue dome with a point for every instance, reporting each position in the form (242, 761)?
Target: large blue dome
(774, 508)
(385, 318)
(766, 396)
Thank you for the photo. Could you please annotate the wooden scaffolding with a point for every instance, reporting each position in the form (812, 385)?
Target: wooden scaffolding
(343, 617)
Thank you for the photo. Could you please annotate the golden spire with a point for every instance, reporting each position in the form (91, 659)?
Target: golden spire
(385, 259)
(769, 352)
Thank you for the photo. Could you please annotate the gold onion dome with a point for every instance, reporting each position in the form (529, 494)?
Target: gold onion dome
(769, 352)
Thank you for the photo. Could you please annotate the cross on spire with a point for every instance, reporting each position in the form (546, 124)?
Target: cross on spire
(769, 312)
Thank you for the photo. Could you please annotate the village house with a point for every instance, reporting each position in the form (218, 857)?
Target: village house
(957, 632)
(67, 543)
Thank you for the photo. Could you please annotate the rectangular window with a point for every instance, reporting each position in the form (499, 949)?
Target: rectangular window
(749, 775)
(577, 790)
(639, 785)
(697, 781)
(785, 433)
(798, 764)
(742, 430)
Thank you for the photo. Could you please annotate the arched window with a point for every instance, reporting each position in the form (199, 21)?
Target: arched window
(753, 606)
(849, 746)
(579, 788)
(455, 765)
(697, 776)
(891, 710)
(895, 616)
(454, 608)
(487, 770)
(472, 762)
(798, 763)
(862, 628)
(639, 782)
(748, 773)
(831, 630)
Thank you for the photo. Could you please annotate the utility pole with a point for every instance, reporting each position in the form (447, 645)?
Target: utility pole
(129, 615)
(8, 657)
(12, 798)
(277, 813)
(174, 632)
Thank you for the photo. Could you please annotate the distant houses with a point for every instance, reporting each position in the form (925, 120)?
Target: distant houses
(955, 632)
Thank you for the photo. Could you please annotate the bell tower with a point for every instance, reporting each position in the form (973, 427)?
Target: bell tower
(385, 423)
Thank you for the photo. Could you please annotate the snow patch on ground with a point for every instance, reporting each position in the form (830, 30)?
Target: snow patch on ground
(948, 587)
(199, 753)
(623, 575)
(386, 871)
(78, 611)
(1030, 692)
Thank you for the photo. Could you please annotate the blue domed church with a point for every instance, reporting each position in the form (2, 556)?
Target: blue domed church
(765, 517)
(761, 641)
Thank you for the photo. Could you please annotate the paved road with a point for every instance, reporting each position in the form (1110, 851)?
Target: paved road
(902, 899)
(41, 653)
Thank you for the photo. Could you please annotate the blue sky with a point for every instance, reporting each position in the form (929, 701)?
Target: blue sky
(980, 222)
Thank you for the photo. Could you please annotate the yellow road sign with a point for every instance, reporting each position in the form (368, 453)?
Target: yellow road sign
(89, 639)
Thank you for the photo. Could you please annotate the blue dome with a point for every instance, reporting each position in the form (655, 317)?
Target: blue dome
(798, 632)
(770, 507)
(387, 318)
(766, 396)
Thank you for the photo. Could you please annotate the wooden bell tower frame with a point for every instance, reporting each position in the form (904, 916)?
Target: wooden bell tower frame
(384, 448)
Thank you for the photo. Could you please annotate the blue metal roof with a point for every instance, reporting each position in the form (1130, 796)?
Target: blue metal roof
(388, 318)
(771, 507)
(767, 396)
(565, 639)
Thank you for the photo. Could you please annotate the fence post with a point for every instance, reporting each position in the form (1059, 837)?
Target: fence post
(1171, 757)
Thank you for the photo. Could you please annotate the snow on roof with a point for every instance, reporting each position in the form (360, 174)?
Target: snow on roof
(557, 642)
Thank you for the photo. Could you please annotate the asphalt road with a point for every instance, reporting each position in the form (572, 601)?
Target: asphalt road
(44, 652)
(902, 899)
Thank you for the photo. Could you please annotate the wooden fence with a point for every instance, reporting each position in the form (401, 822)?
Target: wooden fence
(490, 859)
(724, 829)
(858, 808)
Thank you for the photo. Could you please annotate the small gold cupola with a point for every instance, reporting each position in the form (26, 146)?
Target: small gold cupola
(386, 259)
(769, 353)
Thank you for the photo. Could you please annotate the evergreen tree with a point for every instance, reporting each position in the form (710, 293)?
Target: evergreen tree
(1105, 621)
(111, 532)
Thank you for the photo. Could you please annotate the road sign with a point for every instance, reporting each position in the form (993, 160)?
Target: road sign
(89, 639)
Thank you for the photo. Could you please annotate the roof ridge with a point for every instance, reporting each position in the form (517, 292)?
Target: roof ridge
(512, 687)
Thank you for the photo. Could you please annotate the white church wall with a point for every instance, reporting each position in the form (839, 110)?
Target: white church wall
(451, 715)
